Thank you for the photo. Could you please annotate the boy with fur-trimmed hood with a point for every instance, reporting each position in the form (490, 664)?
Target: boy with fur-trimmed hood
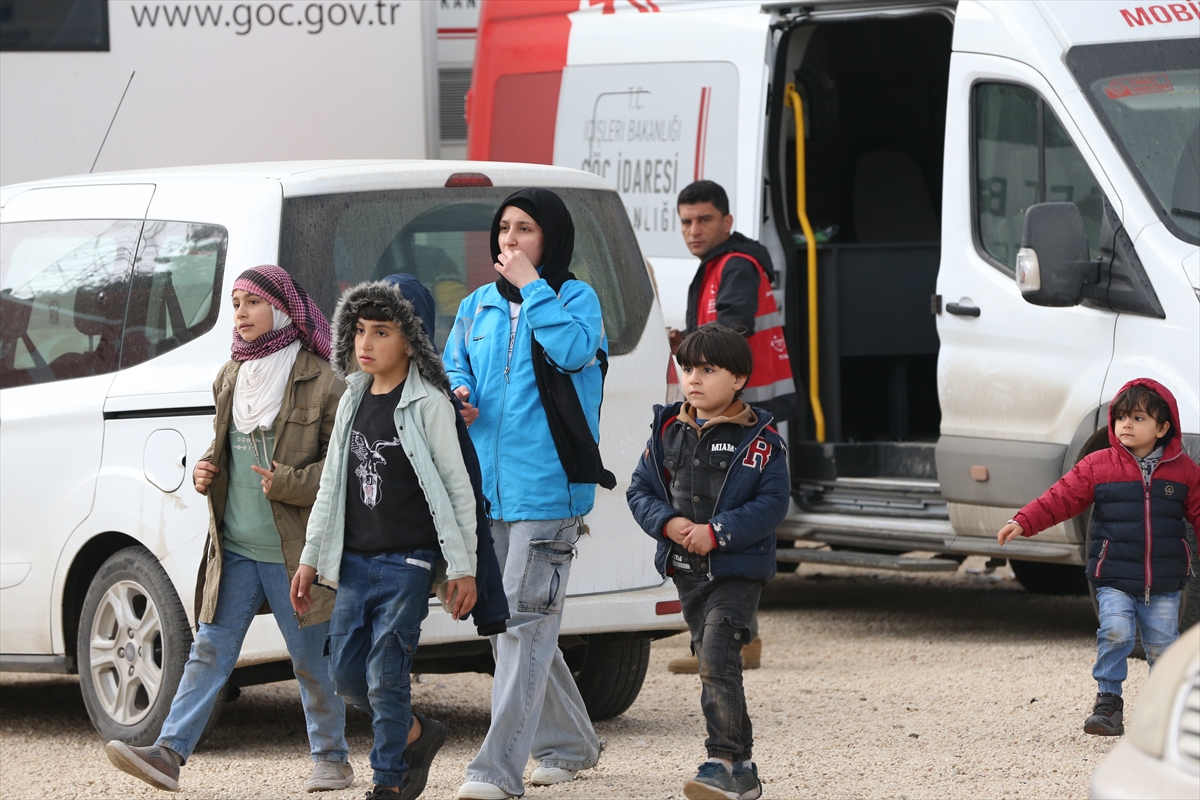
(1144, 487)
(394, 500)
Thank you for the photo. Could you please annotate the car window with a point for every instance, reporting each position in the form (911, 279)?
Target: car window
(175, 281)
(1023, 156)
(441, 236)
(63, 289)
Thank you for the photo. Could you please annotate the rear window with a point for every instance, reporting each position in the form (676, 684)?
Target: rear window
(331, 242)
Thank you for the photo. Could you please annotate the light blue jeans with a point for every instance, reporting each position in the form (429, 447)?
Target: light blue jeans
(244, 584)
(536, 708)
(373, 635)
(1121, 616)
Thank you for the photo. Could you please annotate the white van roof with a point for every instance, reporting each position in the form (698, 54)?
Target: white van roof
(301, 178)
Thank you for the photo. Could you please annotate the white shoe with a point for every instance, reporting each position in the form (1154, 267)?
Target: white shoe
(548, 776)
(479, 790)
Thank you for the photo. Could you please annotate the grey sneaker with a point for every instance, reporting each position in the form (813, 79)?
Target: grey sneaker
(712, 782)
(149, 764)
(1107, 716)
(746, 782)
(329, 776)
(419, 755)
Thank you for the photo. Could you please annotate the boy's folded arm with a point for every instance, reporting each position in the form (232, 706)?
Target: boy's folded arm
(442, 437)
(322, 506)
(649, 509)
(740, 528)
(1068, 497)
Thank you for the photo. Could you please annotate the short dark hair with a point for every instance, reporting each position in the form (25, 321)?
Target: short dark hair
(705, 192)
(376, 313)
(1148, 400)
(717, 346)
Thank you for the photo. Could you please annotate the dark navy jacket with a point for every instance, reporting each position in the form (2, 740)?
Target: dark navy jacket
(752, 501)
(1137, 542)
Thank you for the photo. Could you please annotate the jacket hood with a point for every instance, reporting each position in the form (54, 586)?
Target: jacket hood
(1173, 443)
(740, 243)
(389, 297)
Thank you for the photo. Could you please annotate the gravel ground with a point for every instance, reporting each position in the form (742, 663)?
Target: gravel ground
(873, 685)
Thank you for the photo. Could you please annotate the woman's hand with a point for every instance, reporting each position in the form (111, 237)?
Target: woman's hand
(516, 268)
(203, 475)
(267, 476)
(469, 412)
(301, 591)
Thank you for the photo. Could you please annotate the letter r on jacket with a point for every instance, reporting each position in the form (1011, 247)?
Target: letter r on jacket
(758, 454)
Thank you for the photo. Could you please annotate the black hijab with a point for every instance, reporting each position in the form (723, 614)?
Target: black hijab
(577, 450)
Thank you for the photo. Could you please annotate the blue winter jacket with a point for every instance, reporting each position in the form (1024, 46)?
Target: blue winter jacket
(522, 476)
(751, 503)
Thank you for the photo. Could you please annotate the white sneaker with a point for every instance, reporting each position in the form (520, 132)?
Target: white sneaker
(479, 790)
(548, 776)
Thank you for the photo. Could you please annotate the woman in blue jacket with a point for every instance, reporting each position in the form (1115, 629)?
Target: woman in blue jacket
(526, 357)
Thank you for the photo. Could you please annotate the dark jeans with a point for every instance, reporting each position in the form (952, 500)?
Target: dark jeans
(373, 634)
(718, 615)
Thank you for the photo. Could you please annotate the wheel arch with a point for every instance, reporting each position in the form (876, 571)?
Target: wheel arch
(84, 566)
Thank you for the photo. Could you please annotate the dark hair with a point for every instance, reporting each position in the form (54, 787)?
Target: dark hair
(1136, 397)
(705, 192)
(376, 313)
(717, 346)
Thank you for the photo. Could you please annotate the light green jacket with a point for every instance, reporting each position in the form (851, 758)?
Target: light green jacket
(425, 423)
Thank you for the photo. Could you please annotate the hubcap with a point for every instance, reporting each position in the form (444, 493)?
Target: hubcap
(126, 652)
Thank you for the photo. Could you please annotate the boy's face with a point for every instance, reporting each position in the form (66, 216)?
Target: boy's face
(710, 389)
(1139, 431)
(381, 348)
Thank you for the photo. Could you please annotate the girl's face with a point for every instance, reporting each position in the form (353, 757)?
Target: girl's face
(251, 315)
(518, 231)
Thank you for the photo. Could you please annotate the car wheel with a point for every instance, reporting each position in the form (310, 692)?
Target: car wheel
(133, 641)
(1040, 577)
(612, 674)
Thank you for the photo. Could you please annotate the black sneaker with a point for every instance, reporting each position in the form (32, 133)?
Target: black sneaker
(381, 793)
(419, 755)
(149, 764)
(1107, 717)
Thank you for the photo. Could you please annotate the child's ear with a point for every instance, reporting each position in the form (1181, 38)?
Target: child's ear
(1163, 428)
(739, 382)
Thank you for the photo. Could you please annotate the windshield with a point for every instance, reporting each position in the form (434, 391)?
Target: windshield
(1147, 94)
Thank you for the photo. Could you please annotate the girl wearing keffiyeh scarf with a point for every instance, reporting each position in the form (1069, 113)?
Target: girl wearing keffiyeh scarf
(275, 400)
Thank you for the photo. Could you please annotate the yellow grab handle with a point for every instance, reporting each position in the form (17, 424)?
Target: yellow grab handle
(792, 99)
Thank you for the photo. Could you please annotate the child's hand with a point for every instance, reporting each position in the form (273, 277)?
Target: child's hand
(1009, 532)
(267, 477)
(301, 591)
(203, 474)
(469, 412)
(675, 528)
(698, 539)
(460, 596)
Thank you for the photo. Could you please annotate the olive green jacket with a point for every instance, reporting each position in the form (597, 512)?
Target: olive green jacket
(301, 440)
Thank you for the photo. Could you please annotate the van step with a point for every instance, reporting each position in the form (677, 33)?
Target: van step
(849, 558)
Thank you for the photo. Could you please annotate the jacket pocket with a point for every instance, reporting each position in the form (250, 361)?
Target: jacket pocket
(301, 431)
(1100, 561)
(544, 584)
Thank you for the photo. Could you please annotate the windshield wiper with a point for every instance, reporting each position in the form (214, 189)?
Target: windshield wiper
(1183, 212)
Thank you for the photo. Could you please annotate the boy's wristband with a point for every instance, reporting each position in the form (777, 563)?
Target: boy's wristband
(713, 535)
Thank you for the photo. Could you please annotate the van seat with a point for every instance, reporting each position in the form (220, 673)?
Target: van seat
(891, 201)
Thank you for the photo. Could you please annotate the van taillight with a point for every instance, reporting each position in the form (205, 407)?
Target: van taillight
(461, 180)
(668, 607)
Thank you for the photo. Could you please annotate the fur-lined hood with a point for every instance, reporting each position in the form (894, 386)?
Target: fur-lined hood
(387, 296)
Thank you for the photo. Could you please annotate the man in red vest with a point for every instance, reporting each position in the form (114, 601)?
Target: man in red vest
(733, 287)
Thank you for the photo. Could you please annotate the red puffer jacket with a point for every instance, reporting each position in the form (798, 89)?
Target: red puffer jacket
(1138, 540)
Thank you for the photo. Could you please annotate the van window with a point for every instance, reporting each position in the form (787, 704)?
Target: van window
(63, 289)
(64, 25)
(175, 282)
(441, 236)
(1024, 156)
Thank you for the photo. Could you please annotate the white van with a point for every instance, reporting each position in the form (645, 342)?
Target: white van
(937, 137)
(115, 320)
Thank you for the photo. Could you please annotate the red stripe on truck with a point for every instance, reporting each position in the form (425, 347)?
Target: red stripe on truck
(702, 131)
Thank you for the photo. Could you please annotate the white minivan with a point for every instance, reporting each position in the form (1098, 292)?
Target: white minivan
(895, 156)
(115, 319)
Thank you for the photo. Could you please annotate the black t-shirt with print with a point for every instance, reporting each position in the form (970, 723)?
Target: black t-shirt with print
(386, 509)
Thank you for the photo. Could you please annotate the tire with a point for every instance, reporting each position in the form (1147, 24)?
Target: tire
(612, 674)
(1040, 577)
(127, 691)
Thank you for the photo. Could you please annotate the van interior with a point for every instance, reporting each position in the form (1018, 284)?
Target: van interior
(873, 94)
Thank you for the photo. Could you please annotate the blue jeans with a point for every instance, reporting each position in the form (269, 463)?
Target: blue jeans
(381, 601)
(718, 615)
(244, 584)
(1121, 616)
(536, 707)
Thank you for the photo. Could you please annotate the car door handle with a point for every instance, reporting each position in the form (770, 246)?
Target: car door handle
(961, 310)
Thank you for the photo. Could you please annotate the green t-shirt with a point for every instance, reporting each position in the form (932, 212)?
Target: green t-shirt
(249, 526)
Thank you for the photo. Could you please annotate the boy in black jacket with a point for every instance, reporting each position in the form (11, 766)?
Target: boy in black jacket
(711, 488)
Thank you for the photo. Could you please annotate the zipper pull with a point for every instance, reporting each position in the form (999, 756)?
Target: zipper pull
(1147, 595)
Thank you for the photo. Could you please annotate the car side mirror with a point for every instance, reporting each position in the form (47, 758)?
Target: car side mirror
(1053, 263)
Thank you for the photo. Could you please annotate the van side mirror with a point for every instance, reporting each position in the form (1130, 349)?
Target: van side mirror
(1053, 264)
